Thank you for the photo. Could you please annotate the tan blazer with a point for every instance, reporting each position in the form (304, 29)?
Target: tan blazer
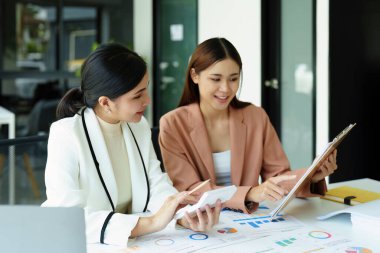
(255, 151)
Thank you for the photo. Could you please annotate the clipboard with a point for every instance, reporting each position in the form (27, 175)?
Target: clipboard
(331, 146)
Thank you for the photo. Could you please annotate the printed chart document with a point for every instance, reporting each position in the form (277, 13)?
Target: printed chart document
(331, 146)
(248, 233)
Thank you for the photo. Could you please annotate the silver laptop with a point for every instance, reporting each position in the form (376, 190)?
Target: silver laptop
(35, 229)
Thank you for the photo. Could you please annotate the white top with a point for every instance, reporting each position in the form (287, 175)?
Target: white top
(113, 136)
(222, 165)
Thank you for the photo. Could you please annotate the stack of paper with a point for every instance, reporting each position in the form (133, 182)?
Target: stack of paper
(365, 216)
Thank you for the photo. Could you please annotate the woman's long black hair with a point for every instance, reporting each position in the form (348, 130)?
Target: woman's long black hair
(111, 70)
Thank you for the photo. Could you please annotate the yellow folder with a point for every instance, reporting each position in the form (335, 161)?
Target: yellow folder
(350, 195)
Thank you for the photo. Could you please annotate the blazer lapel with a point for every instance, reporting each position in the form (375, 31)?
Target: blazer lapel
(101, 153)
(238, 135)
(200, 139)
(139, 185)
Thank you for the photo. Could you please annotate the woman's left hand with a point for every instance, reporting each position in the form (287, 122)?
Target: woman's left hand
(203, 221)
(327, 168)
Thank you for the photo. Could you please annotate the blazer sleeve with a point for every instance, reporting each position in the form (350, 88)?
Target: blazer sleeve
(276, 163)
(63, 189)
(180, 169)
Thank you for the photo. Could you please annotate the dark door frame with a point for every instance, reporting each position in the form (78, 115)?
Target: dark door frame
(271, 60)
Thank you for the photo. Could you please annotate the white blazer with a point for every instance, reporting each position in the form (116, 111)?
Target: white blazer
(72, 180)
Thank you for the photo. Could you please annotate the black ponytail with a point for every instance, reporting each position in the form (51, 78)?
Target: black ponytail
(111, 70)
(70, 103)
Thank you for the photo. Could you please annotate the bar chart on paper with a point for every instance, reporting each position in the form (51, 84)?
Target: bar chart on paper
(259, 223)
(286, 242)
(264, 224)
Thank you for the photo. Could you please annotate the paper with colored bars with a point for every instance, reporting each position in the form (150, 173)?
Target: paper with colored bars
(249, 233)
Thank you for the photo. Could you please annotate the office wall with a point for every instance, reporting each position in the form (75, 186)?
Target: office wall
(354, 75)
(239, 22)
(322, 81)
(143, 40)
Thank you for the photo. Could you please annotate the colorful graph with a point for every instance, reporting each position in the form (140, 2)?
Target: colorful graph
(319, 234)
(257, 222)
(227, 230)
(286, 242)
(358, 250)
(164, 242)
(253, 218)
(198, 236)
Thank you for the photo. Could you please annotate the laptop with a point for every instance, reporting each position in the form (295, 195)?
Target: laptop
(36, 229)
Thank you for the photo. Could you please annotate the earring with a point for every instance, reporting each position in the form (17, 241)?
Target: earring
(108, 110)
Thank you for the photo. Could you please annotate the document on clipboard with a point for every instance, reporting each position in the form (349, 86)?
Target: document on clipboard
(331, 146)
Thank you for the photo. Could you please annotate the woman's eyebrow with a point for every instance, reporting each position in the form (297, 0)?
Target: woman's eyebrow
(233, 74)
(140, 90)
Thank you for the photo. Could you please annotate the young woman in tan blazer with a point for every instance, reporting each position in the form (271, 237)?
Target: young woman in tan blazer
(213, 135)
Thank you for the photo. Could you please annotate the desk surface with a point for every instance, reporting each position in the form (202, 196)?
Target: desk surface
(307, 210)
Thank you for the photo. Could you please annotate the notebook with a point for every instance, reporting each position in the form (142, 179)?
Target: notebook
(331, 146)
(350, 195)
(36, 229)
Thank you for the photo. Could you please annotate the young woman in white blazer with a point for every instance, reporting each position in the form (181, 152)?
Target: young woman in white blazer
(101, 158)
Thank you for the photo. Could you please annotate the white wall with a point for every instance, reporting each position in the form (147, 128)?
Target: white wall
(143, 40)
(322, 81)
(241, 24)
(239, 21)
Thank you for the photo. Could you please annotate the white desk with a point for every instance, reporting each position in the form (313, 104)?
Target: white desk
(8, 118)
(307, 210)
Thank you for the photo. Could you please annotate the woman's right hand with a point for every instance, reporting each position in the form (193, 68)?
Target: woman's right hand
(162, 217)
(166, 213)
(269, 190)
(202, 221)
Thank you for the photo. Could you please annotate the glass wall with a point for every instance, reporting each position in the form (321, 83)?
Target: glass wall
(297, 68)
(43, 44)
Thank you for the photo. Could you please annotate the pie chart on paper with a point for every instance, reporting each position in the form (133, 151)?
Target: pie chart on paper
(358, 250)
(227, 230)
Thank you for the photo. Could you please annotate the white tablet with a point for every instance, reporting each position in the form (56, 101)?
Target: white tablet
(208, 198)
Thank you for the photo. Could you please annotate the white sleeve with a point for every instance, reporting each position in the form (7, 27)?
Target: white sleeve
(63, 190)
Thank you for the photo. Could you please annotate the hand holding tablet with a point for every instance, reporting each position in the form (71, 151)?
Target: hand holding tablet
(312, 169)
